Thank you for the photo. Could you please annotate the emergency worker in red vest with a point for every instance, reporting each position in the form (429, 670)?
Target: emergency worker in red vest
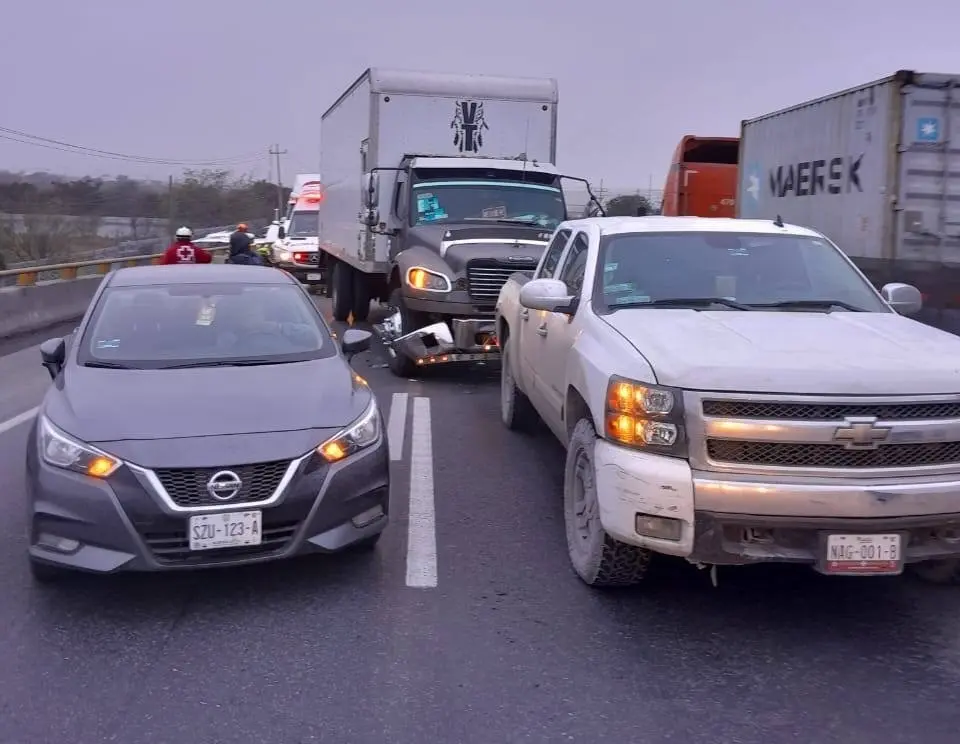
(183, 251)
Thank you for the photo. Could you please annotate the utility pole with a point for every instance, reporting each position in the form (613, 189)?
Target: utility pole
(277, 152)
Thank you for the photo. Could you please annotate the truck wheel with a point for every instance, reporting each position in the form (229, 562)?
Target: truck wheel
(946, 571)
(403, 366)
(341, 291)
(597, 558)
(361, 297)
(516, 412)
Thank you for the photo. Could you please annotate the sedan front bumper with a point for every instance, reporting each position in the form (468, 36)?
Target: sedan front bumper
(123, 524)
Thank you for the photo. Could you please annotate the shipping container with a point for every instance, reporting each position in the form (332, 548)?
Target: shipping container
(875, 168)
(702, 181)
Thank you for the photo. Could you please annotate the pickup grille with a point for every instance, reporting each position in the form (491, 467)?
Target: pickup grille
(794, 455)
(485, 278)
(753, 409)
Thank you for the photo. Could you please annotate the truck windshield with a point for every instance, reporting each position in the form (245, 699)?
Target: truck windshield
(786, 272)
(487, 201)
(304, 225)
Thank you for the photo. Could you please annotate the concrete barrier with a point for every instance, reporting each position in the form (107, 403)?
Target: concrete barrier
(29, 309)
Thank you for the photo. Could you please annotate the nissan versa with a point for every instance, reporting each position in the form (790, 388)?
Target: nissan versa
(202, 415)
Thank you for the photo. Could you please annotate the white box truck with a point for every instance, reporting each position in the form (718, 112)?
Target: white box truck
(437, 187)
(876, 169)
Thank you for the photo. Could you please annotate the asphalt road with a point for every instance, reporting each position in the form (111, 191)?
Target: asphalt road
(488, 639)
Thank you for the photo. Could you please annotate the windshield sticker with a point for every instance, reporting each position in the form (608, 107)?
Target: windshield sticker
(108, 343)
(614, 288)
(629, 299)
(610, 267)
(206, 315)
(429, 208)
(494, 212)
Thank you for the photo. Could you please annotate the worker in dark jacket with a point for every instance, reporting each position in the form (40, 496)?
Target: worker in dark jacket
(241, 251)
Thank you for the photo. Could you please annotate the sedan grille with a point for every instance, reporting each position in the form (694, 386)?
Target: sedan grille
(485, 277)
(173, 548)
(188, 487)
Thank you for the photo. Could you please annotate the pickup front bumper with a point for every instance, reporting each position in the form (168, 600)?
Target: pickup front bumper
(738, 520)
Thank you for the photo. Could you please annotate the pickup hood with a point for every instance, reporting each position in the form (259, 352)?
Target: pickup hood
(793, 352)
(456, 257)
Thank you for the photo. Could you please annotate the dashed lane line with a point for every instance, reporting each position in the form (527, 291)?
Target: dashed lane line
(14, 422)
(421, 523)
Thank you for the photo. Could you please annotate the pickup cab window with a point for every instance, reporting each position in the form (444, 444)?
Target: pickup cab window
(746, 268)
(551, 256)
(575, 266)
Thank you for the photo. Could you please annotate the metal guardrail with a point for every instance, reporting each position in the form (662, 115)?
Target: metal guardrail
(29, 276)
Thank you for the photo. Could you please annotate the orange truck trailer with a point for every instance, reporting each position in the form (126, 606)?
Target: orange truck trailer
(702, 181)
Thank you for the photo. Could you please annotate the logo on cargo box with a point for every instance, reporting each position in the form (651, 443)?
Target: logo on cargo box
(928, 129)
(468, 125)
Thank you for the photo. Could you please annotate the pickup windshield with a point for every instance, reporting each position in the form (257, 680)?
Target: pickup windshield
(782, 273)
(486, 201)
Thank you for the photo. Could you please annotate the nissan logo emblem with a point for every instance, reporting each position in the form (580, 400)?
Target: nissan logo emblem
(224, 485)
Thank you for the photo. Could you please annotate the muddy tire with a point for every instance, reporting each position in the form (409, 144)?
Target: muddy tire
(597, 558)
(402, 366)
(361, 297)
(341, 291)
(946, 571)
(516, 411)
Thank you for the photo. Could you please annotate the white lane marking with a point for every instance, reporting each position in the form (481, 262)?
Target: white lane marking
(421, 529)
(17, 420)
(397, 425)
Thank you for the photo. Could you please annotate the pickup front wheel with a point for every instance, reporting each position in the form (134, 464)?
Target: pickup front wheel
(597, 558)
(516, 412)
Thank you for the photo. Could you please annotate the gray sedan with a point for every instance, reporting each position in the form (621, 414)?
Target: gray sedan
(202, 415)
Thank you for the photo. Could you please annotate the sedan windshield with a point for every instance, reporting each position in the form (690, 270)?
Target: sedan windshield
(180, 325)
(740, 271)
(487, 201)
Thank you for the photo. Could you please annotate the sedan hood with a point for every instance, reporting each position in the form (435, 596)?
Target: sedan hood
(103, 405)
(839, 353)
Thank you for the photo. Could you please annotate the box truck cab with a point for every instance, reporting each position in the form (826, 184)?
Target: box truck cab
(455, 183)
(702, 181)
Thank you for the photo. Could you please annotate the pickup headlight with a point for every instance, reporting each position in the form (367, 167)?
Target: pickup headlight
(63, 451)
(427, 281)
(645, 416)
(359, 435)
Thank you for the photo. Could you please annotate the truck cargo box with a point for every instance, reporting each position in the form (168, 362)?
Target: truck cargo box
(872, 168)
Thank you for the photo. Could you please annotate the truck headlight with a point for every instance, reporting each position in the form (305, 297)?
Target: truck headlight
(63, 451)
(427, 281)
(645, 416)
(359, 435)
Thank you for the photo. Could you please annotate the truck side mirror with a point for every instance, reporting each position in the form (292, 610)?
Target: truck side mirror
(370, 188)
(281, 233)
(371, 217)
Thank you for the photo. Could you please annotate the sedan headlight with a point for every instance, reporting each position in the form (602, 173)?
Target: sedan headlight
(359, 435)
(645, 416)
(427, 281)
(63, 451)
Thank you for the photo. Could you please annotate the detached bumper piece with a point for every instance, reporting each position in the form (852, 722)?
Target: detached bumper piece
(471, 340)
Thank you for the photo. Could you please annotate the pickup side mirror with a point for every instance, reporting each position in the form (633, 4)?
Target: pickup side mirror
(52, 353)
(354, 341)
(370, 188)
(903, 298)
(550, 295)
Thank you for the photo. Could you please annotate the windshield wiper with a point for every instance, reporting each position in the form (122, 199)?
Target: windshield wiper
(223, 363)
(694, 302)
(108, 365)
(812, 304)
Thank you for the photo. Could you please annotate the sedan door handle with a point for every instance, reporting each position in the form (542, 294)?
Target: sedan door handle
(542, 329)
(524, 315)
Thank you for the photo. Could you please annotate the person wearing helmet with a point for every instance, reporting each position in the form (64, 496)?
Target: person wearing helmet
(183, 251)
(241, 247)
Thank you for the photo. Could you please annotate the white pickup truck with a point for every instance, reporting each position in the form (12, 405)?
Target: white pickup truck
(734, 392)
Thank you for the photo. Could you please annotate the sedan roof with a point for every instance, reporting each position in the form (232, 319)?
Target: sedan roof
(145, 276)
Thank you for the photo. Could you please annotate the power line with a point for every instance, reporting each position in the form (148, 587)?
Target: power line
(34, 140)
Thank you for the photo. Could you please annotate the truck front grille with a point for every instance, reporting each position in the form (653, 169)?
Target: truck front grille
(485, 278)
(794, 455)
(753, 409)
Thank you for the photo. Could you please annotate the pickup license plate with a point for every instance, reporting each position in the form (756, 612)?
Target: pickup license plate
(855, 555)
(230, 530)
(314, 277)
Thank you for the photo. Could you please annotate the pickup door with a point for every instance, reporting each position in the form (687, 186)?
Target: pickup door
(557, 332)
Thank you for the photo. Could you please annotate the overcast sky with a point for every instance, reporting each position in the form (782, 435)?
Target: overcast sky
(213, 79)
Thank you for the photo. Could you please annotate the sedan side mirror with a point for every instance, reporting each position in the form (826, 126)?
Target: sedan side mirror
(52, 353)
(354, 341)
(903, 298)
(550, 295)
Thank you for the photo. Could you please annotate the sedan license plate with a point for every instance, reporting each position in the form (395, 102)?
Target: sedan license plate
(314, 277)
(231, 530)
(863, 554)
